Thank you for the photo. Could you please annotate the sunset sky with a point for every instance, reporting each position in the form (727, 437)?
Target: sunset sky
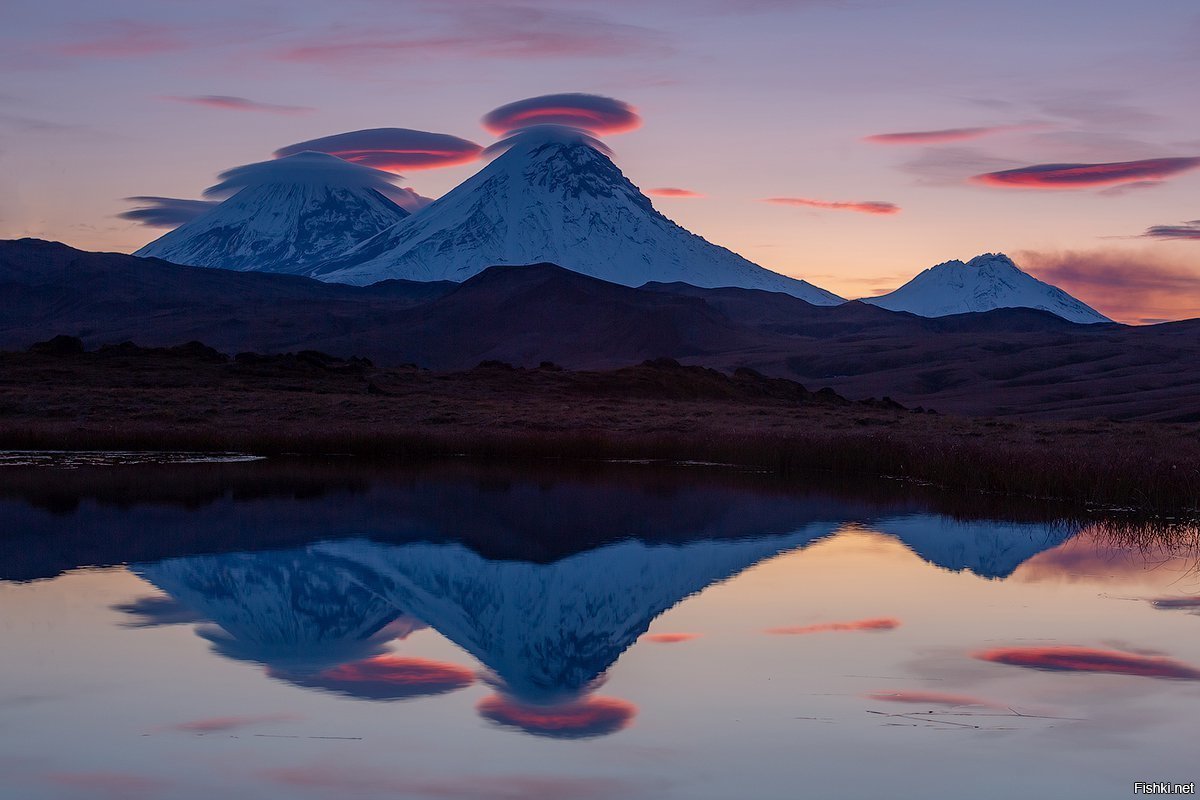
(848, 142)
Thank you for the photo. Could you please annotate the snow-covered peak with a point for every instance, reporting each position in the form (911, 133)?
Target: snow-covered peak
(284, 216)
(552, 196)
(307, 168)
(986, 282)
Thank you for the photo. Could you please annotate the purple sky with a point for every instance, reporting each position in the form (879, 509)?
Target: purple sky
(790, 131)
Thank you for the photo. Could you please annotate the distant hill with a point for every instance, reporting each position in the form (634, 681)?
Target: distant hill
(1006, 361)
(984, 283)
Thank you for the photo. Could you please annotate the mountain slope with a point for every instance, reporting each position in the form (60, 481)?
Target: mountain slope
(308, 208)
(541, 312)
(558, 199)
(1010, 361)
(984, 283)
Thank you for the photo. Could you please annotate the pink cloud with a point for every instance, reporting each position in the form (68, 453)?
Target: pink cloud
(671, 191)
(589, 112)
(670, 638)
(231, 103)
(391, 149)
(1088, 659)
(220, 724)
(577, 719)
(872, 624)
(125, 38)
(942, 136)
(475, 31)
(864, 207)
(385, 677)
(932, 699)
(1082, 176)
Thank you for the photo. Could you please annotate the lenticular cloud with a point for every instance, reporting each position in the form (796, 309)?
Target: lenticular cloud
(303, 169)
(1082, 176)
(545, 134)
(1088, 659)
(165, 212)
(391, 149)
(941, 136)
(1186, 230)
(862, 207)
(674, 191)
(585, 718)
(592, 113)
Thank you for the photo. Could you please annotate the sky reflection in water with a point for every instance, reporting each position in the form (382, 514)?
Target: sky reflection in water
(449, 640)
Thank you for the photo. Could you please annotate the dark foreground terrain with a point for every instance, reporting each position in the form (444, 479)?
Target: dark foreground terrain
(192, 397)
(1013, 363)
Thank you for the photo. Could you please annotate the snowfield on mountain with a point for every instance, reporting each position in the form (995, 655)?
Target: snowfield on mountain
(553, 197)
(984, 283)
(284, 216)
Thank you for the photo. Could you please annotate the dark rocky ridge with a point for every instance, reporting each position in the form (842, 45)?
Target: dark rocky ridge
(1006, 362)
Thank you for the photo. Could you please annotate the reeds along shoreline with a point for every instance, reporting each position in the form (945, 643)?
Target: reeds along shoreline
(1121, 475)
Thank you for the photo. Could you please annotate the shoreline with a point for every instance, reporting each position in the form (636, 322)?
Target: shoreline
(658, 411)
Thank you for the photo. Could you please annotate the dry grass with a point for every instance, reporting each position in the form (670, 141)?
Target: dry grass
(160, 403)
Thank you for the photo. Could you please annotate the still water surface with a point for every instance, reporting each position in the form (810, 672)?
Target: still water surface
(328, 631)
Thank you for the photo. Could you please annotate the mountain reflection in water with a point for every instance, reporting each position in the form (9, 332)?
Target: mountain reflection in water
(339, 629)
(326, 616)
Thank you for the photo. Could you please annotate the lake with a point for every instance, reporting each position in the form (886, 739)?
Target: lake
(331, 629)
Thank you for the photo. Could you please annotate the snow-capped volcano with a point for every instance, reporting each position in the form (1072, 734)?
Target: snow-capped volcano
(984, 283)
(284, 216)
(552, 196)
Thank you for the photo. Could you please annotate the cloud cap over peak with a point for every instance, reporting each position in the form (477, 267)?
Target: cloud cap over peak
(593, 113)
(538, 135)
(302, 168)
(391, 149)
